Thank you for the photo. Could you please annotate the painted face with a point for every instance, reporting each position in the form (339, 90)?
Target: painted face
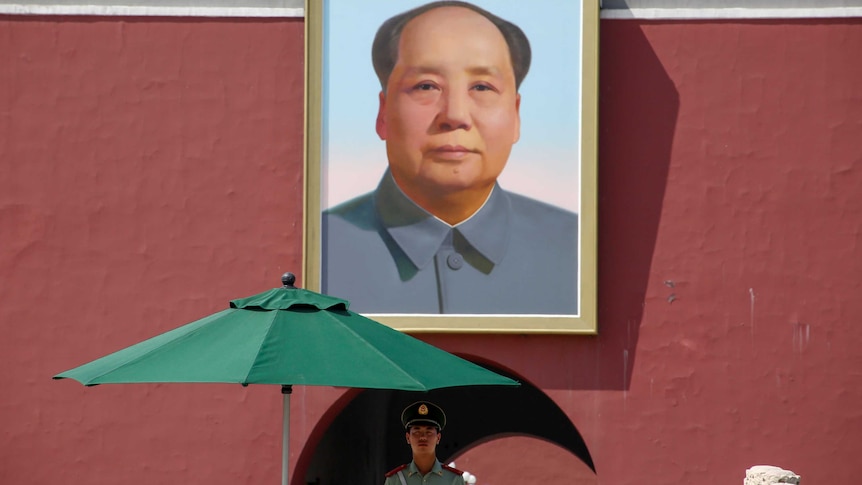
(423, 440)
(450, 113)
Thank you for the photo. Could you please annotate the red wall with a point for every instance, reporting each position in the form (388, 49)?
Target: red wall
(151, 170)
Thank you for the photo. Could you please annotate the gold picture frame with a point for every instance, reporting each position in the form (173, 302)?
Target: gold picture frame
(585, 321)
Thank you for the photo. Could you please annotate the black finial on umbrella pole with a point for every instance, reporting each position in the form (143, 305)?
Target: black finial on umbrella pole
(287, 279)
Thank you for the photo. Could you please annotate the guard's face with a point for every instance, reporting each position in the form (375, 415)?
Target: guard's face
(450, 113)
(423, 440)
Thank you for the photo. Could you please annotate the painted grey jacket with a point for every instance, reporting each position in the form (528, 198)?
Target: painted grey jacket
(385, 254)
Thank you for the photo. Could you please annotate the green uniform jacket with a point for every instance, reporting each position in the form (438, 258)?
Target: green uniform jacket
(440, 474)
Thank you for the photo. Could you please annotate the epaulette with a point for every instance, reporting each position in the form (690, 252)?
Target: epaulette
(396, 470)
(453, 469)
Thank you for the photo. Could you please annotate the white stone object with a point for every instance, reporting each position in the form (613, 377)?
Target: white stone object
(766, 474)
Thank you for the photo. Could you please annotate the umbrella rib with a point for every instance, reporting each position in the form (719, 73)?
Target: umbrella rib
(269, 330)
(395, 364)
(137, 358)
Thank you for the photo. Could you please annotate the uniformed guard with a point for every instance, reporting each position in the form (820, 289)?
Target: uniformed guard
(423, 423)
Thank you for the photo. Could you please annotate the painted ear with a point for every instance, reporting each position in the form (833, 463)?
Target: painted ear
(381, 120)
(517, 119)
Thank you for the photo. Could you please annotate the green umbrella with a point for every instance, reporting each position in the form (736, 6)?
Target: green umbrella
(287, 336)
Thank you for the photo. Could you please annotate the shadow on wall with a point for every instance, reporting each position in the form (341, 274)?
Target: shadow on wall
(365, 439)
(638, 111)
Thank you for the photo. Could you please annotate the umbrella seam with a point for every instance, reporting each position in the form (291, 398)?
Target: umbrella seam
(150, 352)
(375, 349)
(269, 330)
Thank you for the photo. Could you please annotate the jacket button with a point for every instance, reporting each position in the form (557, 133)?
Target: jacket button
(455, 261)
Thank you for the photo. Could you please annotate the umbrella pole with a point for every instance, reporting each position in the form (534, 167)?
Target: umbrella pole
(285, 433)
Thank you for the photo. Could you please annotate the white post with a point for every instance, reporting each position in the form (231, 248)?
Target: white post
(285, 433)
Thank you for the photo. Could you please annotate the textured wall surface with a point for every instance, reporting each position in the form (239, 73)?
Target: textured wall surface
(151, 170)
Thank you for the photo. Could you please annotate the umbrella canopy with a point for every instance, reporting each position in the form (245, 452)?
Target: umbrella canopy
(287, 336)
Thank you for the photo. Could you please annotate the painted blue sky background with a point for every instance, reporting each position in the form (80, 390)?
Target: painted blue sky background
(544, 163)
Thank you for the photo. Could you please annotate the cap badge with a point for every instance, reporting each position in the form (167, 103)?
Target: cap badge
(423, 410)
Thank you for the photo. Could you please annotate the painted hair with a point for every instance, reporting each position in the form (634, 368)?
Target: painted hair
(384, 50)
